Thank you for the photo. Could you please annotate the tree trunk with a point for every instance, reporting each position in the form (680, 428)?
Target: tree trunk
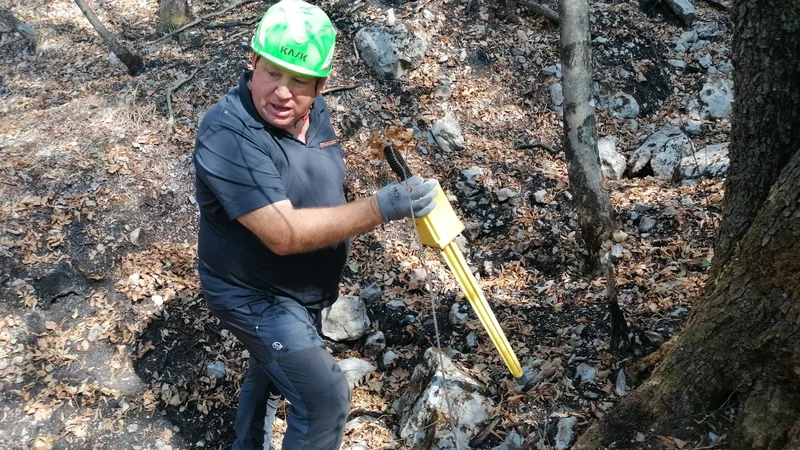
(20, 27)
(580, 134)
(172, 14)
(765, 130)
(741, 344)
(131, 61)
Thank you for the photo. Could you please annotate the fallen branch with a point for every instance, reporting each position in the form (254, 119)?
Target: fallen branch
(543, 145)
(214, 26)
(175, 87)
(338, 89)
(200, 19)
(718, 5)
(541, 10)
(483, 435)
(20, 27)
(131, 61)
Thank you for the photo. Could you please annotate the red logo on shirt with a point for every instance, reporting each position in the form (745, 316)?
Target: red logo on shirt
(329, 143)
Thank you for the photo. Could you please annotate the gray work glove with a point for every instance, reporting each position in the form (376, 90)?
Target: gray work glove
(397, 200)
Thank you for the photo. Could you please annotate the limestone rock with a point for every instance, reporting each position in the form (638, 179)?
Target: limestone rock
(346, 319)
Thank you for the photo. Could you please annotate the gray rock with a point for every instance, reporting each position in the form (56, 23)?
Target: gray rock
(355, 370)
(459, 314)
(375, 344)
(725, 67)
(646, 224)
(624, 106)
(216, 369)
(472, 174)
(677, 63)
(443, 90)
(371, 293)
(557, 96)
(699, 45)
(663, 150)
(686, 39)
(396, 305)
(389, 357)
(613, 164)
(585, 372)
(158, 445)
(346, 319)
(669, 211)
(617, 250)
(447, 133)
(391, 51)
(693, 127)
(95, 333)
(505, 194)
(711, 162)
(683, 9)
(540, 196)
(706, 30)
(554, 70)
(705, 61)
(566, 432)
(621, 386)
(641, 207)
(717, 96)
(472, 339)
(513, 441)
(424, 400)
(528, 373)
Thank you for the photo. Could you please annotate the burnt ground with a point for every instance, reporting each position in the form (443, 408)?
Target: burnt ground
(105, 338)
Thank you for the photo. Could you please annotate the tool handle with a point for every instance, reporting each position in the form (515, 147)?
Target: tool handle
(396, 162)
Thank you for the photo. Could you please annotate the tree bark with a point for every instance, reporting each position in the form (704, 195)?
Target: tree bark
(765, 130)
(741, 344)
(20, 27)
(131, 61)
(580, 134)
(172, 14)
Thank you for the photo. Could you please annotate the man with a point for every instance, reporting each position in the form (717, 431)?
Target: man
(275, 227)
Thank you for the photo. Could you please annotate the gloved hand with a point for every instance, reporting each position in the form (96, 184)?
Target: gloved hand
(397, 200)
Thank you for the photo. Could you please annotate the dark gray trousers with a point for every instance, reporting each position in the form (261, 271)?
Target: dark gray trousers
(289, 359)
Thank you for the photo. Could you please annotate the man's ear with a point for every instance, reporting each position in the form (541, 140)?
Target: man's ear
(253, 60)
(321, 84)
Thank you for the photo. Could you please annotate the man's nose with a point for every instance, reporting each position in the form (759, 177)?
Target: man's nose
(283, 91)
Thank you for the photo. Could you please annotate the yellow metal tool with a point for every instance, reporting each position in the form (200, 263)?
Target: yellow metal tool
(439, 229)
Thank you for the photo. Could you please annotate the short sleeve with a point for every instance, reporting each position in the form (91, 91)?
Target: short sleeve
(239, 173)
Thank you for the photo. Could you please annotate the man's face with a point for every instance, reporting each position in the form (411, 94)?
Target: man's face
(281, 96)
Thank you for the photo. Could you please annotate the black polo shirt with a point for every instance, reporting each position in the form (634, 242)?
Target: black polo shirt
(242, 164)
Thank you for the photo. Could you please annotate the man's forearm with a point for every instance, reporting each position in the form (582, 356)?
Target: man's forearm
(315, 228)
(287, 230)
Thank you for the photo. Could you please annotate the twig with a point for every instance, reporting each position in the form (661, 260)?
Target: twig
(175, 87)
(338, 89)
(484, 434)
(355, 51)
(543, 145)
(214, 26)
(200, 19)
(541, 10)
(718, 5)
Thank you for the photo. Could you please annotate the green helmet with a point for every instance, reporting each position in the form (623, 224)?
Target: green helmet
(297, 36)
